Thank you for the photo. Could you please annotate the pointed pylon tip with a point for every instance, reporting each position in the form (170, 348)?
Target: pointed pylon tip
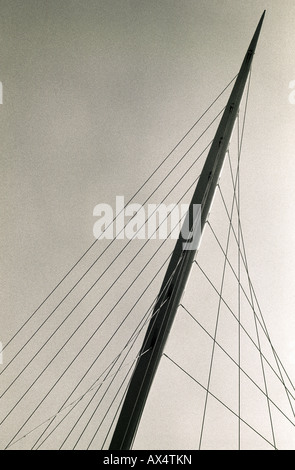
(262, 17)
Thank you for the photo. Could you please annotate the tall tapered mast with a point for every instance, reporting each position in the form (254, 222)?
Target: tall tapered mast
(179, 267)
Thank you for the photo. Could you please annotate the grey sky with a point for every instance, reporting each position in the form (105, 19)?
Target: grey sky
(96, 93)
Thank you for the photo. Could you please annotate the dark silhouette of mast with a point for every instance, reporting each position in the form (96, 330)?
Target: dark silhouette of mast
(179, 267)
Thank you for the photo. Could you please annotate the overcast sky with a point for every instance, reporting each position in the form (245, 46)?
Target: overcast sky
(96, 93)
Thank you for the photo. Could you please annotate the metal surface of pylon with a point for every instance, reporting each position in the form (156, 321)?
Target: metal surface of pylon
(178, 270)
